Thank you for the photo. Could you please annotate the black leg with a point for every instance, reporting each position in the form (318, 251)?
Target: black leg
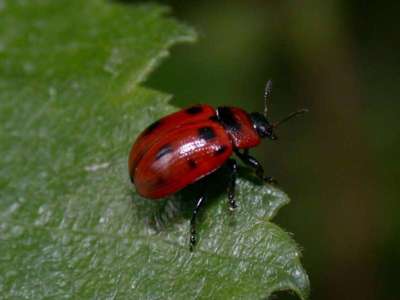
(252, 162)
(233, 168)
(193, 239)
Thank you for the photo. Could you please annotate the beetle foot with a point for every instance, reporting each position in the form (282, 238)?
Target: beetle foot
(193, 241)
(232, 205)
(270, 180)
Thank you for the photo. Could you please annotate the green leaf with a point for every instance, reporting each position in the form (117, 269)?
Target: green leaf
(71, 225)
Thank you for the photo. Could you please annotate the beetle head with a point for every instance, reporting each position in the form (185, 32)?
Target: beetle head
(263, 128)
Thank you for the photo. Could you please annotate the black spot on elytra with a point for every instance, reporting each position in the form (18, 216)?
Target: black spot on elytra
(152, 127)
(221, 149)
(206, 133)
(163, 151)
(130, 176)
(194, 110)
(192, 164)
(213, 118)
(159, 182)
(227, 118)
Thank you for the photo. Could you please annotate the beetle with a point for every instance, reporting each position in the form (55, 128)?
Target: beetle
(183, 147)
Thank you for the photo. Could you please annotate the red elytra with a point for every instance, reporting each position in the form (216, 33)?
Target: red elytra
(185, 146)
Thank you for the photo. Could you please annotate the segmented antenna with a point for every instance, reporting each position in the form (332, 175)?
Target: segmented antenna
(293, 114)
(267, 95)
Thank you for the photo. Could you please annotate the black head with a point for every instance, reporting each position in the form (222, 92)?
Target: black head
(260, 121)
(262, 126)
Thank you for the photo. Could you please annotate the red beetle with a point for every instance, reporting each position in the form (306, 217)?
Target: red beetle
(187, 145)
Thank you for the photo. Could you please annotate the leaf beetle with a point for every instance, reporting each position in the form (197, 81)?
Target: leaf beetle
(183, 147)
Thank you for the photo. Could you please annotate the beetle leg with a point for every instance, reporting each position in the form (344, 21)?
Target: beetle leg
(193, 239)
(233, 169)
(255, 164)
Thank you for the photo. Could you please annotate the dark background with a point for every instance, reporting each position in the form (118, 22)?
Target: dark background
(340, 162)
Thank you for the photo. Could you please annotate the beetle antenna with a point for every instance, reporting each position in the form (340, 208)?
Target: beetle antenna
(293, 114)
(267, 95)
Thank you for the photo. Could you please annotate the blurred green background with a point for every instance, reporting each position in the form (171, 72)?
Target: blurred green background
(339, 163)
